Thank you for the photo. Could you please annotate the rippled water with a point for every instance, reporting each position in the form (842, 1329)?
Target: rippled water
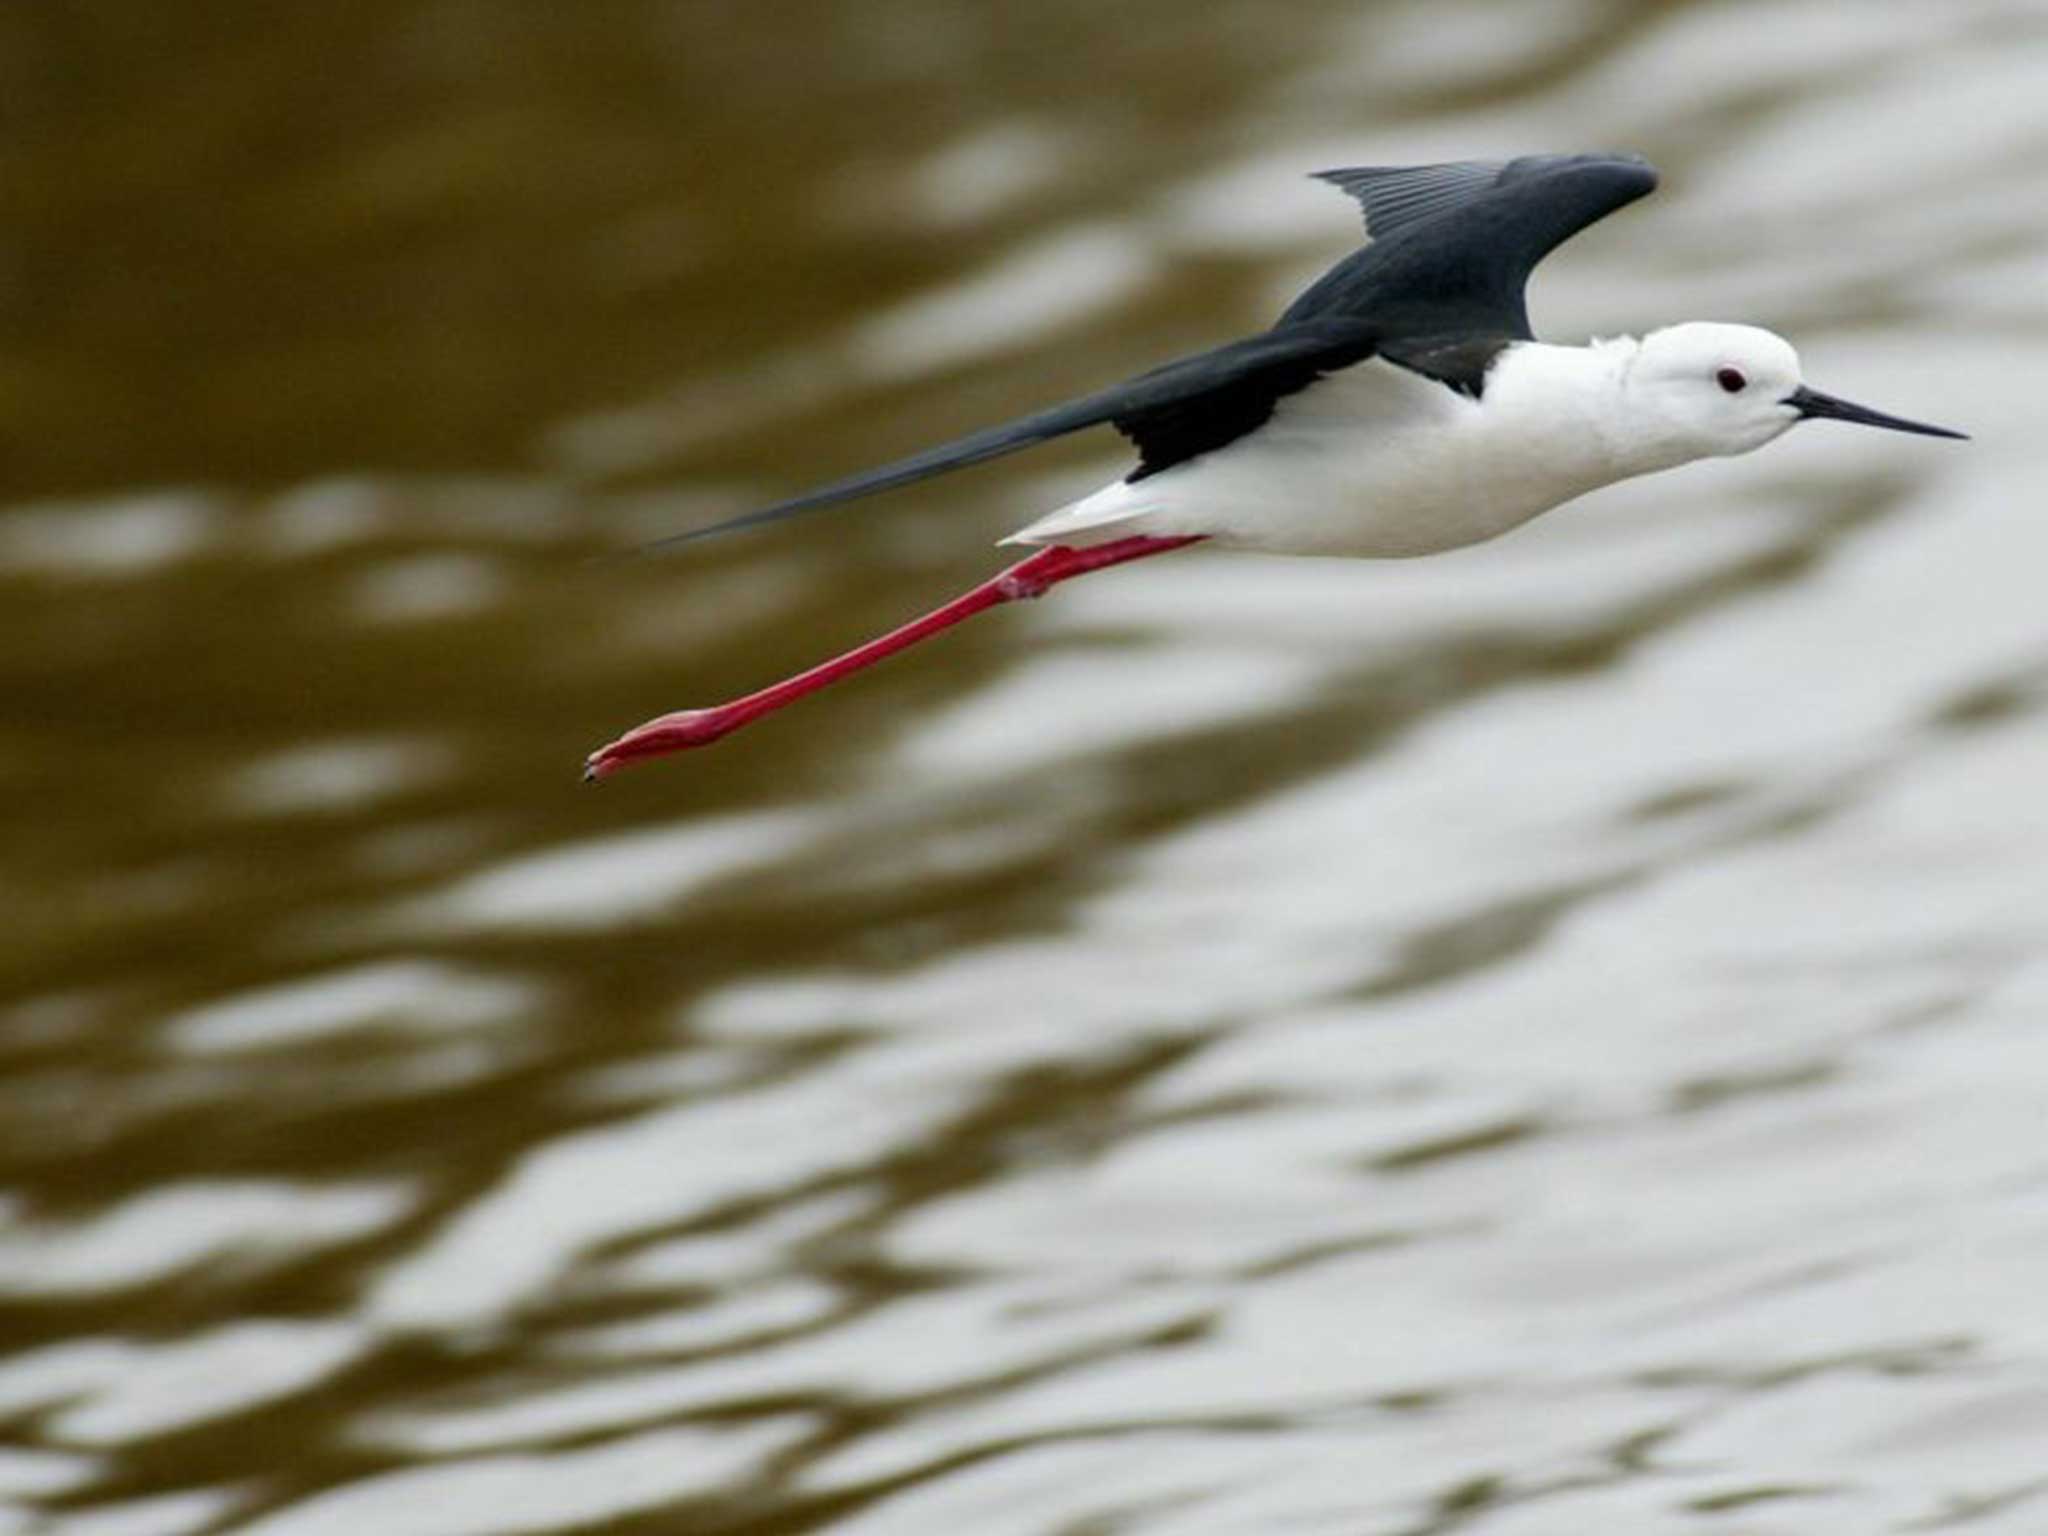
(1546, 1039)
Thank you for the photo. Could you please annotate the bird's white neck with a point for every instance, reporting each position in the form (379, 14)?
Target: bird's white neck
(1581, 415)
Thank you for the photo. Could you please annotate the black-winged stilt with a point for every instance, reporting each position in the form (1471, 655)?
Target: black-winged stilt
(1401, 406)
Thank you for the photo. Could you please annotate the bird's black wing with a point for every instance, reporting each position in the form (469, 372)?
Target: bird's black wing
(1453, 245)
(1171, 413)
(1438, 290)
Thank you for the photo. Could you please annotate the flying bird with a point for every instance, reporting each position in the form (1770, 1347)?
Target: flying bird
(1400, 406)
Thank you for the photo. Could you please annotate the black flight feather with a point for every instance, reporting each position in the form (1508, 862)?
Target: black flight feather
(1457, 255)
(1170, 413)
(1395, 196)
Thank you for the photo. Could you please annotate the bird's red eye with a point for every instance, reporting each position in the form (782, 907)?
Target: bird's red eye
(1731, 379)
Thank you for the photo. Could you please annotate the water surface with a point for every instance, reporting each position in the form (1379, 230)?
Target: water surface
(1545, 1039)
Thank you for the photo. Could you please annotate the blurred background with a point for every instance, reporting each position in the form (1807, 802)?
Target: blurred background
(1545, 1039)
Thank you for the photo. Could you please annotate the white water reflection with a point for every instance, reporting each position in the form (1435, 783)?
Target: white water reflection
(608, 881)
(333, 775)
(171, 1514)
(583, 1191)
(1082, 702)
(428, 587)
(176, 1227)
(408, 994)
(752, 1312)
(28, 1473)
(993, 170)
(154, 1390)
(504, 1495)
(1031, 296)
(127, 539)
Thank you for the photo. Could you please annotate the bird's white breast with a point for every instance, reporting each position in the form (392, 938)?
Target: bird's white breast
(1379, 461)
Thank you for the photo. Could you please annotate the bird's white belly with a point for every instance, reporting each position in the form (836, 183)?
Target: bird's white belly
(1374, 461)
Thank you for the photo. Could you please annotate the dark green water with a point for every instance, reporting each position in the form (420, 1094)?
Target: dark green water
(1549, 1039)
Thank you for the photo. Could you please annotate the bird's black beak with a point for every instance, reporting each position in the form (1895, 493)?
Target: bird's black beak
(1811, 402)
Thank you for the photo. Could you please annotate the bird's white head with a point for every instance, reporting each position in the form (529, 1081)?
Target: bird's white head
(1702, 390)
(1714, 389)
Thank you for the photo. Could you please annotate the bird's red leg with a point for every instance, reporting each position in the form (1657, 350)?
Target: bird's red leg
(1030, 577)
